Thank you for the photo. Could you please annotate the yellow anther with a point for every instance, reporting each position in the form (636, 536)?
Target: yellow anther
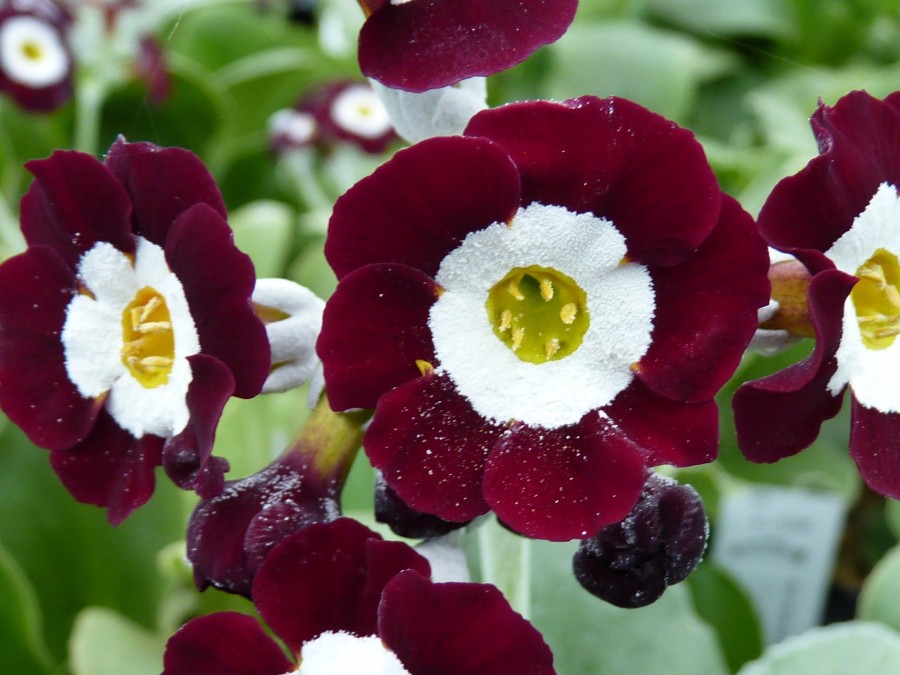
(505, 321)
(514, 290)
(546, 289)
(551, 346)
(892, 295)
(155, 327)
(149, 362)
(518, 334)
(568, 313)
(424, 367)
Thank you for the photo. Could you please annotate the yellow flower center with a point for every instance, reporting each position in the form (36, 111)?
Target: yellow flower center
(877, 300)
(539, 313)
(148, 344)
(32, 50)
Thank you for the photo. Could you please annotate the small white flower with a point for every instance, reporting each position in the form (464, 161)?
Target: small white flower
(359, 111)
(32, 52)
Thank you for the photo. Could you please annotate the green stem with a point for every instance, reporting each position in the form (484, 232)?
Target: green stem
(506, 563)
(88, 108)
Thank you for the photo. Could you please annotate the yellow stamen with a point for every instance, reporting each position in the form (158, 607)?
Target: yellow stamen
(568, 313)
(546, 289)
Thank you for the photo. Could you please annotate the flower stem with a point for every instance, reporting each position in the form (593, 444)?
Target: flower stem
(88, 108)
(506, 563)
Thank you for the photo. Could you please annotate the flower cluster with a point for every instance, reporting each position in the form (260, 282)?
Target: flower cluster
(339, 112)
(345, 601)
(522, 305)
(839, 216)
(120, 340)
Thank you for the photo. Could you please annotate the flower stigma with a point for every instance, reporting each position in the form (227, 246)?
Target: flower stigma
(877, 300)
(148, 343)
(539, 313)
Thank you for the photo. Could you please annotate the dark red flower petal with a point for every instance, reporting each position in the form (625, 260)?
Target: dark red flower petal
(328, 577)
(458, 629)
(35, 391)
(565, 483)
(374, 329)
(630, 564)
(218, 281)
(39, 99)
(779, 415)
(162, 183)
(231, 534)
(668, 432)
(428, 44)
(613, 158)
(706, 310)
(73, 203)
(875, 447)
(187, 456)
(421, 204)
(226, 643)
(110, 468)
(404, 520)
(858, 139)
(430, 446)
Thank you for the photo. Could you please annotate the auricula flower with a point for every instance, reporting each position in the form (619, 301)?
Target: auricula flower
(345, 601)
(418, 45)
(538, 310)
(35, 59)
(840, 216)
(127, 323)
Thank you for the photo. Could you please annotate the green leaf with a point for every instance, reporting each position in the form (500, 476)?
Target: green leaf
(264, 230)
(749, 17)
(21, 641)
(878, 599)
(723, 604)
(591, 637)
(838, 649)
(659, 69)
(104, 642)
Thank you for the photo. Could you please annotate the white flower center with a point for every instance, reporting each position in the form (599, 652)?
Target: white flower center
(486, 370)
(32, 52)
(359, 111)
(94, 341)
(868, 356)
(342, 653)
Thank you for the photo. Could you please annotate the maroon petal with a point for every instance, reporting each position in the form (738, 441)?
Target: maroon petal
(875, 446)
(73, 203)
(857, 138)
(565, 483)
(162, 183)
(458, 629)
(39, 99)
(613, 158)
(430, 446)
(779, 415)
(226, 643)
(374, 329)
(218, 281)
(405, 521)
(428, 44)
(328, 577)
(421, 204)
(668, 432)
(35, 391)
(187, 456)
(110, 468)
(706, 310)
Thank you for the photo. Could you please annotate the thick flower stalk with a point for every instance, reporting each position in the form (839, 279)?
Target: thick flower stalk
(230, 535)
(36, 63)
(345, 601)
(416, 45)
(538, 310)
(127, 323)
(839, 216)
